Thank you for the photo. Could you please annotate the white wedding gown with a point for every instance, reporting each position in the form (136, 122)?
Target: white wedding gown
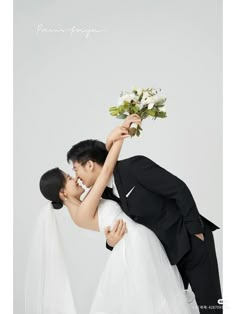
(138, 277)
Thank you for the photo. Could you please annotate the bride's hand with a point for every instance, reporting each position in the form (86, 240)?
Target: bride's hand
(120, 132)
(132, 118)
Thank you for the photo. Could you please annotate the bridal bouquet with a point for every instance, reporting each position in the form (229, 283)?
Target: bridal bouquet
(144, 102)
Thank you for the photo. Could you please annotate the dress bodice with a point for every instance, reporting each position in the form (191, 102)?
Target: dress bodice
(108, 212)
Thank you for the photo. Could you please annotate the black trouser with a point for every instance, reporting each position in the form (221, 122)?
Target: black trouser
(200, 268)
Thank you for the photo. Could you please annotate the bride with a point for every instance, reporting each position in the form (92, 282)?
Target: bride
(138, 277)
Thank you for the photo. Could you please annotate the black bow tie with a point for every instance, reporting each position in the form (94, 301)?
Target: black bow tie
(108, 194)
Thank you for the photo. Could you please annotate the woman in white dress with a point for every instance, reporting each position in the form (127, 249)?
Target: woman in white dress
(138, 277)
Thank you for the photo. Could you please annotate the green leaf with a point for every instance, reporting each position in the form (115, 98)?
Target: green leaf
(126, 105)
(131, 109)
(162, 114)
(141, 96)
(160, 102)
(135, 109)
(113, 108)
(139, 127)
(121, 109)
(151, 112)
(122, 116)
(143, 115)
(114, 112)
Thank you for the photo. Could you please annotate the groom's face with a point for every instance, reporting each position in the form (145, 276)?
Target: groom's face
(86, 173)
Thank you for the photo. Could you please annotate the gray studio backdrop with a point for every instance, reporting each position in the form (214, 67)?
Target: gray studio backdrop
(64, 83)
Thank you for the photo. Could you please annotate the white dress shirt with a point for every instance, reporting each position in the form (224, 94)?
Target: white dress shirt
(111, 184)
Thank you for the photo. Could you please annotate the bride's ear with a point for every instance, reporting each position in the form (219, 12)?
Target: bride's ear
(62, 195)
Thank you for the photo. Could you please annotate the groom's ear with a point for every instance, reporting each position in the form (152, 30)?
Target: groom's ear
(90, 165)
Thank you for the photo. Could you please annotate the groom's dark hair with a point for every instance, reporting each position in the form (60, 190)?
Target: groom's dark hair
(88, 150)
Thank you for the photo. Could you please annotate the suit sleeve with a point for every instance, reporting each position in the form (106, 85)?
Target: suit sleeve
(109, 247)
(158, 180)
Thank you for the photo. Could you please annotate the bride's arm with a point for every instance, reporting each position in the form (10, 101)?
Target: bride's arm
(85, 215)
(87, 211)
(134, 118)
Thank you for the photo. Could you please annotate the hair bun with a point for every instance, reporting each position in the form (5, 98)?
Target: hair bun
(57, 205)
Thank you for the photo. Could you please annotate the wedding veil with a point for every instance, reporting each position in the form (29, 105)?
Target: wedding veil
(47, 286)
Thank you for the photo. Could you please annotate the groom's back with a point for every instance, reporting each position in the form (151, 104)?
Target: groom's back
(152, 202)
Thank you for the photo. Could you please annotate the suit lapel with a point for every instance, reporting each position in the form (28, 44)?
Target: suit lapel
(120, 189)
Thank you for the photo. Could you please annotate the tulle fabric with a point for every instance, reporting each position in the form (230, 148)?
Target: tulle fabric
(47, 287)
(138, 277)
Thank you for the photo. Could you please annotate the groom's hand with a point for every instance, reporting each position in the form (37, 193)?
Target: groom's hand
(116, 234)
(200, 236)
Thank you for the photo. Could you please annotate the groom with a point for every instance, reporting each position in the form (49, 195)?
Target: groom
(156, 198)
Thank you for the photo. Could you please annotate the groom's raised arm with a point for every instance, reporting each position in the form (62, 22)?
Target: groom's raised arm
(160, 181)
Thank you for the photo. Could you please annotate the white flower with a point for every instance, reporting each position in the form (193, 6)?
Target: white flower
(145, 95)
(163, 109)
(143, 102)
(128, 98)
(135, 97)
(157, 98)
(123, 98)
(150, 105)
(146, 100)
(120, 102)
(154, 91)
(139, 105)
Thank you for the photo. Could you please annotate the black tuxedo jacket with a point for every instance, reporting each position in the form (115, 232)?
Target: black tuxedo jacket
(154, 197)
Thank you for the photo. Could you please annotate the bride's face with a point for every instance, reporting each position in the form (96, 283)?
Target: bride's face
(72, 188)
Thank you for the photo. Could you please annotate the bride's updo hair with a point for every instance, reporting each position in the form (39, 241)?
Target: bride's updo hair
(50, 185)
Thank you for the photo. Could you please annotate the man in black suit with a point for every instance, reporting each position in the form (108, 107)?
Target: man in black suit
(154, 197)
